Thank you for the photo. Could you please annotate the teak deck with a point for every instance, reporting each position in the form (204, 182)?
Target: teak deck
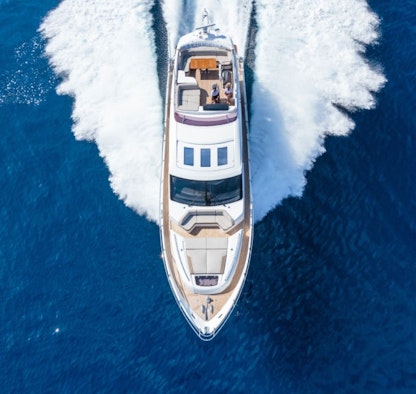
(205, 78)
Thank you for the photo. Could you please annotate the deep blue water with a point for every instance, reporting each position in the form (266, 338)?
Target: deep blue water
(329, 305)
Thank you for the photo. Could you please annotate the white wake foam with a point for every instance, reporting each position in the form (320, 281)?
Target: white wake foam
(309, 55)
(104, 50)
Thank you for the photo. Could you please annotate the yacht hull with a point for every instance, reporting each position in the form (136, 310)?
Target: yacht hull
(206, 299)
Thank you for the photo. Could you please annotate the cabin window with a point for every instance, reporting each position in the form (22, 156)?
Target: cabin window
(205, 157)
(188, 156)
(206, 193)
(222, 156)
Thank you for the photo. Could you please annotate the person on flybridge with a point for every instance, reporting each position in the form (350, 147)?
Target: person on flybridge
(228, 92)
(215, 94)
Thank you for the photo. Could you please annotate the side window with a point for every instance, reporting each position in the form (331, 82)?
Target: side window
(205, 157)
(188, 156)
(222, 156)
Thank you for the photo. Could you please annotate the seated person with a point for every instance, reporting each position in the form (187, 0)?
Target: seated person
(228, 92)
(215, 94)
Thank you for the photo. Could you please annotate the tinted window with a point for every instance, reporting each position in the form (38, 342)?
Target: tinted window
(205, 193)
(188, 156)
(222, 156)
(205, 157)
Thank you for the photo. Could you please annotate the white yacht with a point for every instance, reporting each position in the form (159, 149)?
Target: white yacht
(206, 223)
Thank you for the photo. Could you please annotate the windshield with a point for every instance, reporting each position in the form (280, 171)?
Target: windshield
(206, 193)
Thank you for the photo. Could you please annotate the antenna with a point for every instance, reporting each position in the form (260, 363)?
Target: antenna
(205, 22)
(205, 17)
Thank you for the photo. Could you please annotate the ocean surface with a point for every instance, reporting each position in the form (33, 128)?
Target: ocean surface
(329, 305)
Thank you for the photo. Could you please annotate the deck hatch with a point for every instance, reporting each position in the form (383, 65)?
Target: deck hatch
(206, 280)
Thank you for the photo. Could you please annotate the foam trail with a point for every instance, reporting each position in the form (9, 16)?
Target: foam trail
(178, 15)
(309, 56)
(104, 50)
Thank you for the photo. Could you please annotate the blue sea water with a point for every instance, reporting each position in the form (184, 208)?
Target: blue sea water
(85, 306)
